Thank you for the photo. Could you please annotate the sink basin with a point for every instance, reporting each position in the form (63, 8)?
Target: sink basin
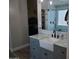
(48, 43)
(50, 40)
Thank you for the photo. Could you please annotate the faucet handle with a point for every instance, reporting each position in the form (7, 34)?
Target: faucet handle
(52, 35)
(57, 36)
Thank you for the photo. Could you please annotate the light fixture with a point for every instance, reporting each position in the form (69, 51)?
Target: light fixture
(41, 0)
(50, 2)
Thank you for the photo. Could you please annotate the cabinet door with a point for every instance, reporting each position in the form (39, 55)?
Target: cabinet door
(44, 54)
(34, 42)
(59, 52)
(35, 53)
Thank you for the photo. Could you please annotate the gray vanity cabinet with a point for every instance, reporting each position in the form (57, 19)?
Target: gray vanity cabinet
(34, 48)
(59, 52)
(40, 53)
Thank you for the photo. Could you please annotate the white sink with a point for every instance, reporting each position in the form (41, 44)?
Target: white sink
(48, 43)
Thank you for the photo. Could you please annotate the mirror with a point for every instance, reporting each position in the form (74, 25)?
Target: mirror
(53, 15)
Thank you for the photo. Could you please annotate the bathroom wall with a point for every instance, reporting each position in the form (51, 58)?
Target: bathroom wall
(18, 23)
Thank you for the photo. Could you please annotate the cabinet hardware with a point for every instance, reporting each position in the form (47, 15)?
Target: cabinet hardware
(62, 52)
(33, 48)
(45, 54)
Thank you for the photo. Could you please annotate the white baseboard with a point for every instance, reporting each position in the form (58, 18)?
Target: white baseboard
(20, 47)
(15, 58)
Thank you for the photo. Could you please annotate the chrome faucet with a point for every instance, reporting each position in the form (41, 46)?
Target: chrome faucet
(55, 35)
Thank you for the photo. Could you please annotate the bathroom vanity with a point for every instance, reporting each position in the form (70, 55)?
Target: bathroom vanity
(45, 47)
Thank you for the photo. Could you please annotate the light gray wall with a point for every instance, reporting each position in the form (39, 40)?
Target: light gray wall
(18, 23)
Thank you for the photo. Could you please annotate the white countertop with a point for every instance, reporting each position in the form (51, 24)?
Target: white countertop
(40, 36)
(47, 38)
(63, 43)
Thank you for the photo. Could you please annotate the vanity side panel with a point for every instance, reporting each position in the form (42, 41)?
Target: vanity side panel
(34, 48)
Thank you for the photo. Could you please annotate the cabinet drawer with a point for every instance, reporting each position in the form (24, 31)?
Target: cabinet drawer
(34, 49)
(34, 42)
(34, 53)
(45, 54)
